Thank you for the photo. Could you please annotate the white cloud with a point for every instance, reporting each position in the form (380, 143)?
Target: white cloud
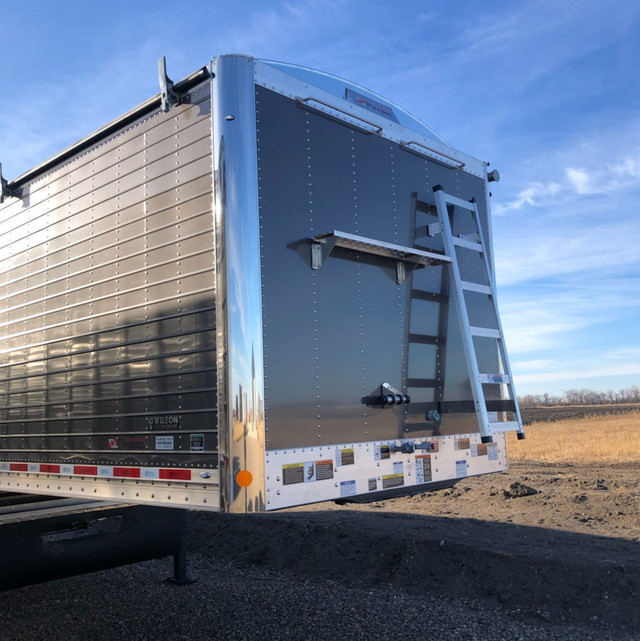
(620, 174)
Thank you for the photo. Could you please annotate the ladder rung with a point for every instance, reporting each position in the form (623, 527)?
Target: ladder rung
(425, 339)
(505, 426)
(467, 244)
(423, 382)
(497, 379)
(458, 202)
(485, 332)
(475, 287)
(425, 208)
(421, 294)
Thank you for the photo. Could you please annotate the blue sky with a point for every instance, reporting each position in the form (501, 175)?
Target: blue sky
(547, 91)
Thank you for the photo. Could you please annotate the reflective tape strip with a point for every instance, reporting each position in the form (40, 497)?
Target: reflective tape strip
(101, 471)
(128, 472)
(85, 470)
(175, 475)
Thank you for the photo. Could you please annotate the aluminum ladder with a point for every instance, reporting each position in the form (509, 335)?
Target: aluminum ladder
(455, 212)
(422, 211)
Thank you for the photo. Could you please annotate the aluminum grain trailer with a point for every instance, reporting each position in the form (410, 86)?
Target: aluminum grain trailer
(264, 287)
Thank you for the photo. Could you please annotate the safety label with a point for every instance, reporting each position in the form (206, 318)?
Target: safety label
(479, 449)
(463, 443)
(492, 451)
(196, 442)
(347, 488)
(345, 456)
(293, 473)
(164, 442)
(392, 480)
(461, 468)
(423, 468)
(373, 484)
(307, 472)
(381, 452)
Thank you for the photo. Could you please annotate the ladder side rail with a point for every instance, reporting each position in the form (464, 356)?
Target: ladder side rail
(463, 316)
(502, 349)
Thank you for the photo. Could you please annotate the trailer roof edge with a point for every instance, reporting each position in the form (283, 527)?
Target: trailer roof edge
(134, 114)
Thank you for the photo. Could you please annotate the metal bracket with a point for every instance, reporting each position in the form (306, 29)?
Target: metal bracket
(320, 250)
(5, 190)
(433, 229)
(168, 95)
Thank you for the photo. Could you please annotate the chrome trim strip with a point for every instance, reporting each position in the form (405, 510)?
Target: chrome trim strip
(239, 295)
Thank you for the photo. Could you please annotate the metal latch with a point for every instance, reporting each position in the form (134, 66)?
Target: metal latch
(386, 396)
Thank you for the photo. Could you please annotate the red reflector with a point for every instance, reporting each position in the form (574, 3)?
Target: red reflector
(175, 475)
(85, 470)
(129, 472)
(50, 469)
(18, 467)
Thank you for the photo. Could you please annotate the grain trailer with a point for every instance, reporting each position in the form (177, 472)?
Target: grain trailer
(264, 287)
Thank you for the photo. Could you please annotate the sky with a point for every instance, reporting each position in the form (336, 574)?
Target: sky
(547, 91)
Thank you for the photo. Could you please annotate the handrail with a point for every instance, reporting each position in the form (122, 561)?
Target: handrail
(305, 101)
(405, 145)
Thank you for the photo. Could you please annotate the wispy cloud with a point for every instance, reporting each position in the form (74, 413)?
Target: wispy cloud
(618, 175)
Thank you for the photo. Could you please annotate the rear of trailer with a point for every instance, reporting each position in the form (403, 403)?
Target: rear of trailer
(264, 287)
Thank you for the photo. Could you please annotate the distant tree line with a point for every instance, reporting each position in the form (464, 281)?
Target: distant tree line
(582, 397)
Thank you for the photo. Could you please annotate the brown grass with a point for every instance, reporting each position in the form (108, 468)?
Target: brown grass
(610, 438)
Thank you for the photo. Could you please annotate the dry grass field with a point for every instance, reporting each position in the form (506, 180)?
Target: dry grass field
(613, 438)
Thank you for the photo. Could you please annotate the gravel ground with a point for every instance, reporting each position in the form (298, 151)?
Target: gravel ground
(478, 562)
(229, 601)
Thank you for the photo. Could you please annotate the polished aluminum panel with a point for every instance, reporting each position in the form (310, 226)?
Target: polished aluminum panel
(107, 304)
(333, 335)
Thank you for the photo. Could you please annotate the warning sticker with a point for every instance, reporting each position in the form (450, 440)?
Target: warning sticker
(461, 468)
(373, 484)
(423, 468)
(463, 443)
(324, 470)
(381, 452)
(347, 488)
(392, 480)
(196, 442)
(345, 456)
(164, 442)
(479, 449)
(307, 472)
(492, 451)
(293, 473)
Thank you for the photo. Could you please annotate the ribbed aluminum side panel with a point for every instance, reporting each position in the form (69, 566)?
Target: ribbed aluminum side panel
(107, 302)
